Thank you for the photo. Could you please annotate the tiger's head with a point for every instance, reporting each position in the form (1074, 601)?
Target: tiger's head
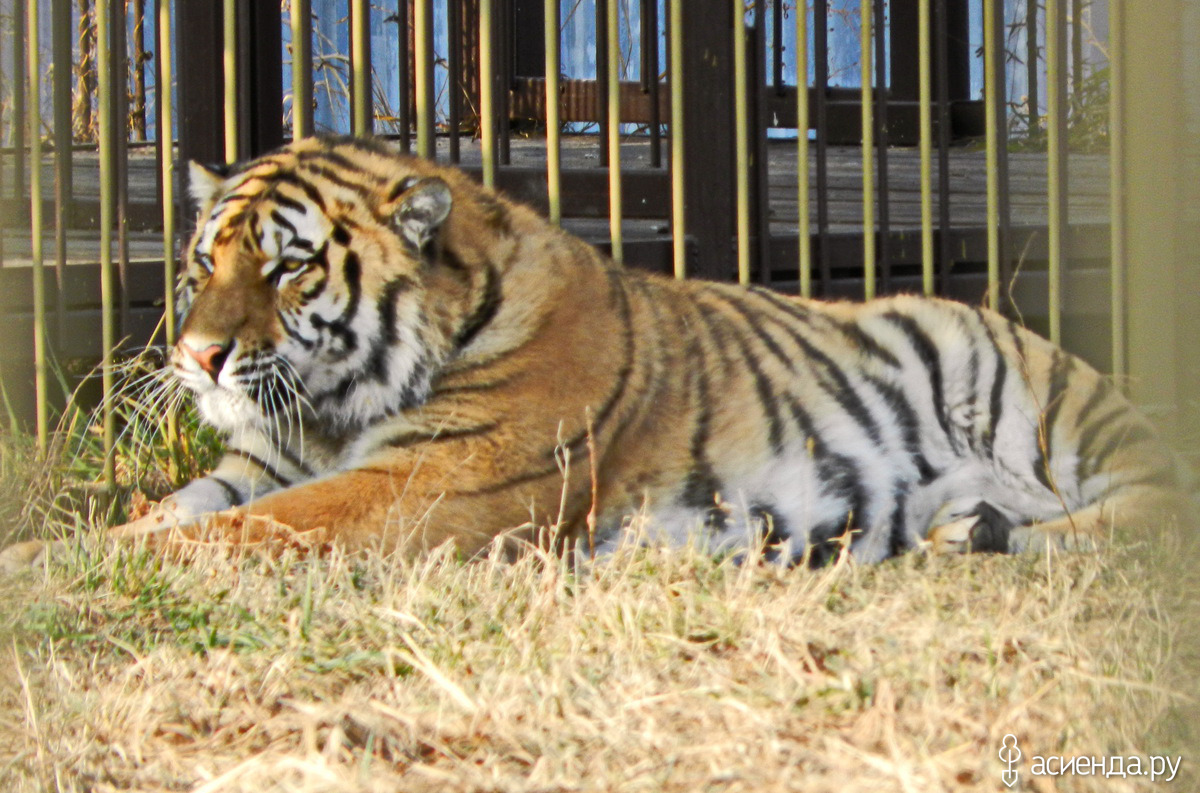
(321, 279)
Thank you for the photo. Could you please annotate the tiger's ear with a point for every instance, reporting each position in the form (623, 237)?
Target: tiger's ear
(424, 207)
(205, 183)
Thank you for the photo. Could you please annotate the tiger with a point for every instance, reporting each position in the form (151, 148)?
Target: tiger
(400, 358)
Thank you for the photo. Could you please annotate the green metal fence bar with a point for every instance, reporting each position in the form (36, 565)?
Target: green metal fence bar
(1116, 159)
(613, 64)
(741, 115)
(487, 90)
(678, 223)
(1056, 156)
(925, 89)
(866, 66)
(553, 114)
(804, 230)
(34, 117)
(108, 335)
(991, 42)
(167, 121)
(360, 65)
(425, 100)
(229, 42)
(302, 112)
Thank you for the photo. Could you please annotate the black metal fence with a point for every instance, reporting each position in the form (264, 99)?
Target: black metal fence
(675, 154)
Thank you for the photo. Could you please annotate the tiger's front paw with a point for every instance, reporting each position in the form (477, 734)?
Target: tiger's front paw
(235, 530)
(953, 537)
(161, 518)
(239, 527)
(985, 530)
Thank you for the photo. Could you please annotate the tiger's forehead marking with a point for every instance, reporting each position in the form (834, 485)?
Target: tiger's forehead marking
(275, 216)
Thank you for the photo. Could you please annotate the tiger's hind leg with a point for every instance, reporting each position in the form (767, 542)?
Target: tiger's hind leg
(1080, 531)
(1135, 507)
(1085, 529)
(22, 556)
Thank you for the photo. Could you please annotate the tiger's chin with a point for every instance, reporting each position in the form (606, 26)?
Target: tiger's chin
(230, 411)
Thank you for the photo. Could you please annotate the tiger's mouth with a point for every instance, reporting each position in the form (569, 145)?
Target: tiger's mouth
(234, 388)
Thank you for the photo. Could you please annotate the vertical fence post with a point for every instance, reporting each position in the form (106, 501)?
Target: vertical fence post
(404, 63)
(942, 43)
(360, 65)
(1159, 222)
(118, 67)
(229, 55)
(454, 78)
(63, 177)
(820, 93)
(201, 130)
(259, 76)
(504, 77)
(423, 41)
(925, 79)
(553, 116)
(601, 38)
(1056, 153)
(706, 47)
(34, 116)
(741, 128)
(883, 95)
(650, 82)
(613, 67)
(1118, 208)
(991, 42)
(487, 93)
(166, 122)
(678, 141)
(19, 102)
(760, 122)
(302, 112)
(1032, 74)
(868, 147)
(804, 231)
(108, 336)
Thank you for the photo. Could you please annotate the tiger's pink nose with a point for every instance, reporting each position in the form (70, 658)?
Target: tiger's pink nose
(211, 358)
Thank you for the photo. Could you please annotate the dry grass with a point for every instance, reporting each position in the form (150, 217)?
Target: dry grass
(654, 670)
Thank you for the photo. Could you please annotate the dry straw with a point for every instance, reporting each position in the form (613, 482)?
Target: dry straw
(651, 670)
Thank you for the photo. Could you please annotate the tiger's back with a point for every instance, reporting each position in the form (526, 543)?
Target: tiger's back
(402, 358)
